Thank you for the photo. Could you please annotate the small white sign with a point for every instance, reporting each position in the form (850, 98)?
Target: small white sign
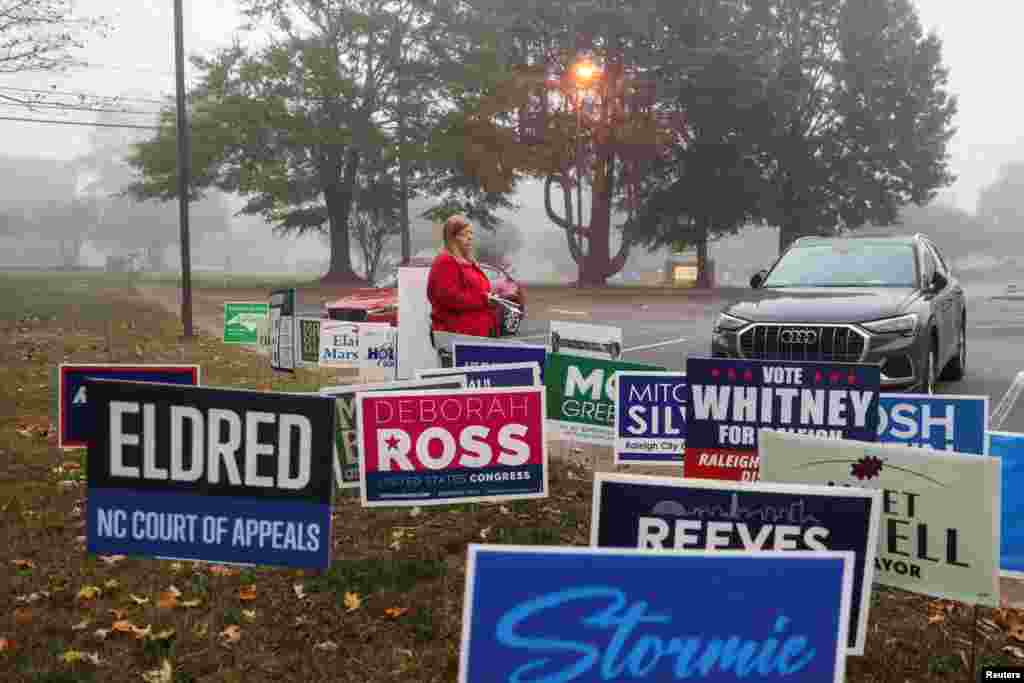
(585, 340)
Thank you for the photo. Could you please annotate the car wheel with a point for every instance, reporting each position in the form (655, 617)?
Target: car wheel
(957, 368)
(555, 343)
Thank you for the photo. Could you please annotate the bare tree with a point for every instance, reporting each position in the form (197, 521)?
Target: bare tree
(39, 35)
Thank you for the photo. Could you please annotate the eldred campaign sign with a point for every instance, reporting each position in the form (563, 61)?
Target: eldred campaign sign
(666, 513)
(466, 354)
(731, 399)
(581, 396)
(73, 416)
(486, 376)
(650, 418)
(1009, 448)
(594, 615)
(438, 447)
(940, 511)
(346, 435)
(221, 475)
(942, 423)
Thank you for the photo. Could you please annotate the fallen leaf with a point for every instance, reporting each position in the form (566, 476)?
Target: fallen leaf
(89, 593)
(74, 656)
(165, 674)
(23, 564)
(221, 570)
(327, 646)
(249, 615)
(167, 600)
(141, 633)
(484, 533)
(117, 614)
(415, 512)
(1014, 650)
(34, 597)
(166, 634)
(504, 510)
(232, 634)
(247, 593)
(82, 625)
(303, 621)
(23, 615)
(111, 585)
(353, 601)
(6, 645)
(137, 600)
(102, 633)
(300, 591)
(936, 618)
(123, 626)
(191, 603)
(111, 560)
(176, 567)
(201, 629)
(395, 612)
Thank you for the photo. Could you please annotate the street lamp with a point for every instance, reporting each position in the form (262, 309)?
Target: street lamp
(585, 72)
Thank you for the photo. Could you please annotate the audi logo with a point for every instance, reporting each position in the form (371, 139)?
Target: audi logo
(798, 336)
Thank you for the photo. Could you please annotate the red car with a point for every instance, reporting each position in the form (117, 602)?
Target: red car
(380, 304)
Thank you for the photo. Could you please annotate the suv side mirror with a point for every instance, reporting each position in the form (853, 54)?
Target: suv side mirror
(757, 279)
(939, 282)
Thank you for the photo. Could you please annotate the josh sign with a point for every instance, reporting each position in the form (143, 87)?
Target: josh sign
(668, 513)
(942, 423)
(219, 475)
(594, 615)
(439, 447)
(650, 418)
(732, 399)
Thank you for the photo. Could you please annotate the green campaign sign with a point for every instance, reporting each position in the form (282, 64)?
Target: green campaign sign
(581, 396)
(243, 321)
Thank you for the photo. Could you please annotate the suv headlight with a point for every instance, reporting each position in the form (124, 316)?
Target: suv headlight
(729, 323)
(904, 324)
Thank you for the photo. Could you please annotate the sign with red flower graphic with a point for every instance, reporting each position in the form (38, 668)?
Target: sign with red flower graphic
(940, 531)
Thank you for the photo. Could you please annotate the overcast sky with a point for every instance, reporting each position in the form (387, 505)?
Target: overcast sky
(137, 59)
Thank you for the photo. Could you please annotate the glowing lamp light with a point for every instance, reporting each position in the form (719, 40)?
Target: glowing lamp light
(585, 71)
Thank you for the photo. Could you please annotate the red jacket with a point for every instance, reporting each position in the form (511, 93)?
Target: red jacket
(458, 297)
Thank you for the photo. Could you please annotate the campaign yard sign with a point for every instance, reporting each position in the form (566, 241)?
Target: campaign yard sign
(73, 417)
(210, 474)
(377, 342)
(1009, 448)
(730, 400)
(466, 354)
(339, 344)
(581, 396)
(669, 513)
(650, 418)
(283, 350)
(583, 339)
(940, 511)
(593, 615)
(942, 423)
(309, 341)
(451, 446)
(346, 439)
(243, 321)
(487, 376)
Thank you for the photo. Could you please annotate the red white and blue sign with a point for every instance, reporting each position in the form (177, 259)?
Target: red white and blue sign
(73, 419)
(730, 400)
(650, 417)
(593, 615)
(444, 446)
(210, 474)
(942, 423)
(1009, 448)
(468, 353)
(670, 513)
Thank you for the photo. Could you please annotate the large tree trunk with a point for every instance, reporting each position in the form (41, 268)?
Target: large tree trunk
(338, 175)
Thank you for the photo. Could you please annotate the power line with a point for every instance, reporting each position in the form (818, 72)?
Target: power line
(85, 94)
(78, 123)
(73, 107)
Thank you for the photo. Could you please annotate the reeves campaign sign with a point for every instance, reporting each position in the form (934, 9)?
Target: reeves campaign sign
(438, 447)
(731, 399)
(73, 416)
(592, 615)
(942, 423)
(465, 354)
(940, 511)
(487, 376)
(1009, 448)
(346, 435)
(650, 418)
(581, 396)
(220, 475)
(663, 513)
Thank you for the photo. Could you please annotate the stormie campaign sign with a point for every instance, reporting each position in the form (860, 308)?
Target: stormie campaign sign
(594, 615)
(942, 423)
(650, 418)
(1009, 448)
(218, 475)
(731, 399)
(487, 376)
(73, 416)
(940, 510)
(669, 513)
(346, 435)
(459, 446)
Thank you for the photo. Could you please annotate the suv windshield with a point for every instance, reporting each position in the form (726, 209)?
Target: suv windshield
(847, 264)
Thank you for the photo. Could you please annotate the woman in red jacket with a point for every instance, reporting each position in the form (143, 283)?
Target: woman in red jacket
(458, 291)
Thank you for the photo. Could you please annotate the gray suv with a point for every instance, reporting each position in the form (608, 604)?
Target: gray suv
(888, 300)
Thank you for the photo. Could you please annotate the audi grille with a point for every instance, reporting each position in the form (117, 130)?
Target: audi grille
(837, 343)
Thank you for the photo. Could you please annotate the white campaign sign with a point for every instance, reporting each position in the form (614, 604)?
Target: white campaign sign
(339, 344)
(377, 347)
(415, 351)
(585, 340)
(940, 532)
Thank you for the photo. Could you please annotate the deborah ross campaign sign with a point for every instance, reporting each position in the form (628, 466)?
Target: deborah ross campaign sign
(460, 446)
(1009, 448)
(346, 433)
(218, 475)
(487, 376)
(940, 511)
(650, 418)
(669, 513)
(731, 399)
(594, 615)
(73, 417)
(942, 423)
(466, 354)
(581, 396)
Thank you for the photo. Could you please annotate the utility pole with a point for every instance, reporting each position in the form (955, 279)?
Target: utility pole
(183, 172)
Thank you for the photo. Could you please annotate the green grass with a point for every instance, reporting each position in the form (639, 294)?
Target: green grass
(373, 575)
(207, 280)
(57, 294)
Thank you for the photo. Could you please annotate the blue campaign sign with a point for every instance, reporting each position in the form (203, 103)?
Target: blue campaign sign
(466, 354)
(72, 403)
(490, 376)
(1009, 447)
(209, 474)
(942, 423)
(650, 417)
(666, 513)
(589, 615)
